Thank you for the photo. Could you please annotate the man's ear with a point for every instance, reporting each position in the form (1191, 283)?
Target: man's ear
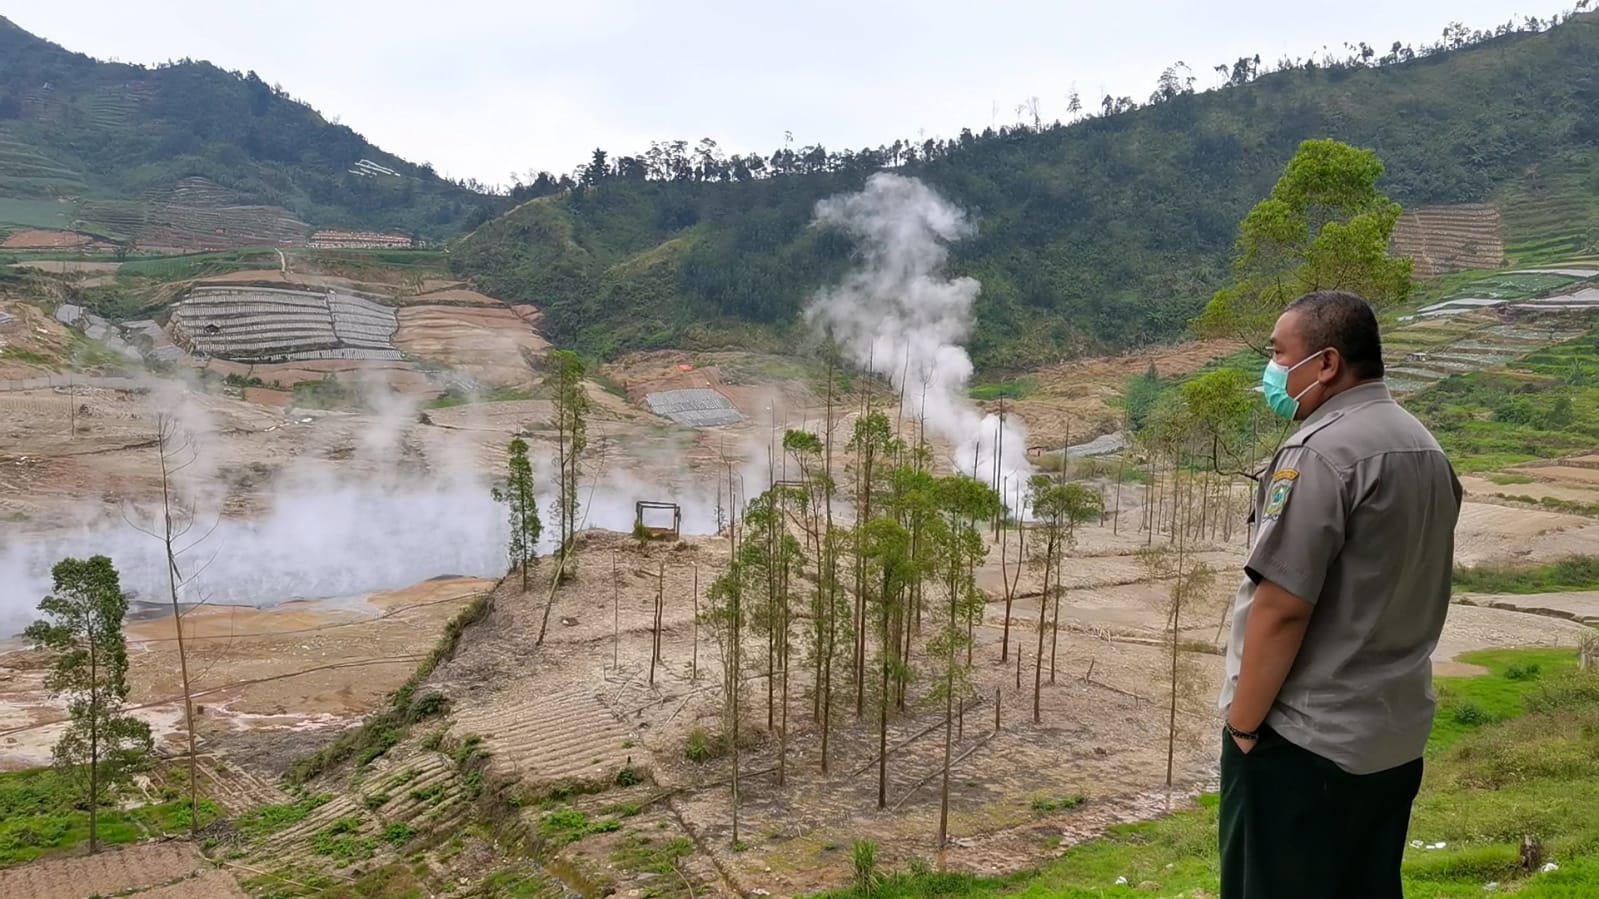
(1332, 365)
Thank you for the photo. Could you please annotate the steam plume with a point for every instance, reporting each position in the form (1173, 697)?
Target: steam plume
(897, 314)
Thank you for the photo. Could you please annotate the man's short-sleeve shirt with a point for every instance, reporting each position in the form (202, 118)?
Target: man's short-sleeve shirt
(1356, 516)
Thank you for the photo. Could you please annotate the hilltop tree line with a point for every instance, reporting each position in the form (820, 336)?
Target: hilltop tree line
(705, 161)
(1102, 235)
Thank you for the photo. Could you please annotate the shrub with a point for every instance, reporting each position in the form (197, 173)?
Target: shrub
(1470, 714)
(863, 861)
(1529, 671)
(1575, 691)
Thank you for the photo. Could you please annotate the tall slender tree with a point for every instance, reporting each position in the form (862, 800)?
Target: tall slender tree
(964, 502)
(102, 746)
(872, 443)
(522, 507)
(175, 451)
(890, 569)
(564, 382)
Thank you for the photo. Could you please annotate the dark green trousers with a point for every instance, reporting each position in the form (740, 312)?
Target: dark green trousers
(1296, 826)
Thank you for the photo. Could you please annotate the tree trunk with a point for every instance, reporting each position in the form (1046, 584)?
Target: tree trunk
(168, 536)
(735, 690)
(616, 614)
(1004, 573)
(882, 709)
(694, 662)
(94, 747)
(1043, 608)
(1054, 625)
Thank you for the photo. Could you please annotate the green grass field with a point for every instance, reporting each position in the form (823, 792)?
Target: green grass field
(1544, 406)
(36, 213)
(39, 816)
(177, 268)
(1562, 576)
(1523, 761)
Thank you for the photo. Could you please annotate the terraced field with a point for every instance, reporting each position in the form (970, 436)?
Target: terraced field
(1503, 395)
(547, 740)
(173, 870)
(1445, 239)
(25, 171)
(1424, 353)
(1552, 213)
(25, 213)
(196, 213)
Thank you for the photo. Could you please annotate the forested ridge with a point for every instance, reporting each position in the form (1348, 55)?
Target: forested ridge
(1101, 234)
(75, 129)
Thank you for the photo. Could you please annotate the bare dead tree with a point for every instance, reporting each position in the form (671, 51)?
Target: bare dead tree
(174, 527)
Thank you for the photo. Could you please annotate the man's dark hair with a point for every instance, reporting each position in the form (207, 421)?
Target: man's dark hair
(1345, 322)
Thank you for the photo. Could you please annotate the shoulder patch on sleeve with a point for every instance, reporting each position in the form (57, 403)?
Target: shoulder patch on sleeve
(1282, 484)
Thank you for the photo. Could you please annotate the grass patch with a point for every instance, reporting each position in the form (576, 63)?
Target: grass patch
(1532, 771)
(45, 214)
(398, 834)
(26, 357)
(568, 825)
(641, 853)
(457, 396)
(196, 265)
(1043, 805)
(517, 885)
(342, 842)
(327, 392)
(1020, 388)
(1466, 704)
(39, 816)
(1561, 576)
(269, 819)
(1505, 478)
(1544, 406)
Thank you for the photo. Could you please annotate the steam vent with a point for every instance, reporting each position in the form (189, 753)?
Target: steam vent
(267, 324)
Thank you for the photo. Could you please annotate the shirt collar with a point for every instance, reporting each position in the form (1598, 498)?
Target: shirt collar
(1367, 392)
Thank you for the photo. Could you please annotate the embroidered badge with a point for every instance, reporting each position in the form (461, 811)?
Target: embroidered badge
(1282, 484)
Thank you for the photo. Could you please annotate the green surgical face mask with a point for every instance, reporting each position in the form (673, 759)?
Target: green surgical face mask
(1274, 383)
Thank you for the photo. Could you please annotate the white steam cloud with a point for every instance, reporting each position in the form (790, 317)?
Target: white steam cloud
(897, 314)
(383, 521)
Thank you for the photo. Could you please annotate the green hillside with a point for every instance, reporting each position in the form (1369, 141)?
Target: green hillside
(1103, 234)
(109, 148)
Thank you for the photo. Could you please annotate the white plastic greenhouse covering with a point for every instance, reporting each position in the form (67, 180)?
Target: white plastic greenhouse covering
(274, 324)
(695, 408)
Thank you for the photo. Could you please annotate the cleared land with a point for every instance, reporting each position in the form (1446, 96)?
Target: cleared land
(417, 799)
(1445, 239)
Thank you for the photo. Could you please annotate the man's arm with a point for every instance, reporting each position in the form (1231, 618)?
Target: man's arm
(1272, 635)
(1302, 531)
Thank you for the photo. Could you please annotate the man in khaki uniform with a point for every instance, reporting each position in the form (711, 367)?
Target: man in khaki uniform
(1328, 695)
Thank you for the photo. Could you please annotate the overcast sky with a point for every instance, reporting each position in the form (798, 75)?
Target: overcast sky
(483, 88)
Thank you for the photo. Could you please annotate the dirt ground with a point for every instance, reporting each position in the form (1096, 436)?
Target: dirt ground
(169, 870)
(32, 344)
(278, 679)
(486, 342)
(1499, 533)
(296, 667)
(1554, 489)
(1077, 401)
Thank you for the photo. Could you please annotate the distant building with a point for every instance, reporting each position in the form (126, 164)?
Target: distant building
(360, 240)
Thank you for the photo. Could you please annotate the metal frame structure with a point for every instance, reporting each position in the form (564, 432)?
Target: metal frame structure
(674, 531)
